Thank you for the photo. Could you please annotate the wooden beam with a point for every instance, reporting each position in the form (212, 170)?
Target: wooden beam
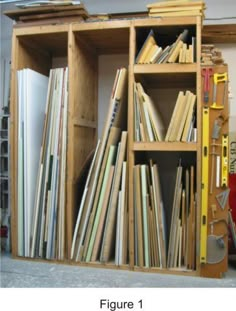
(219, 33)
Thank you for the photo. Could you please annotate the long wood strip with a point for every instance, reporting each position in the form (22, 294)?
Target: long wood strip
(113, 139)
(110, 162)
(178, 3)
(145, 215)
(138, 207)
(192, 216)
(116, 109)
(156, 262)
(176, 9)
(110, 221)
(158, 216)
(123, 212)
(98, 239)
(183, 224)
(78, 221)
(174, 218)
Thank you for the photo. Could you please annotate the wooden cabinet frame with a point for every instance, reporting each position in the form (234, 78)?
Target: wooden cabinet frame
(80, 44)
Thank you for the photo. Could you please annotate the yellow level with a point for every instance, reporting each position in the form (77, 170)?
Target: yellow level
(205, 177)
(224, 165)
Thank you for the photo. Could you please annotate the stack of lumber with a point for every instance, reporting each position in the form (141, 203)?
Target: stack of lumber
(182, 240)
(42, 163)
(176, 52)
(102, 223)
(211, 55)
(181, 126)
(148, 121)
(149, 217)
(176, 8)
(48, 14)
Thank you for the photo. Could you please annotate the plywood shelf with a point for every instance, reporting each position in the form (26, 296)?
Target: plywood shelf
(164, 68)
(165, 79)
(164, 146)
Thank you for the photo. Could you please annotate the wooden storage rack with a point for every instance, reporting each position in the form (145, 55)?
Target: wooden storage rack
(79, 45)
(163, 77)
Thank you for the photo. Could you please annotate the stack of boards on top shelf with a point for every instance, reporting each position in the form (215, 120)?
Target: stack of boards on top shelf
(101, 228)
(148, 123)
(42, 137)
(48, 12)
(177, 52)
(176, 8)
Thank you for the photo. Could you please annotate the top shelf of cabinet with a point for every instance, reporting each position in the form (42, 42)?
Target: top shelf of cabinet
(51, 43)
(104, 37)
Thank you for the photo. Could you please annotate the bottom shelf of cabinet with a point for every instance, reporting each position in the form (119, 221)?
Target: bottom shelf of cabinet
(112, 266)
(165, 213)
(204, 271)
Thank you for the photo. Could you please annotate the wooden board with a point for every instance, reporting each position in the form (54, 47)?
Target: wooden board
(111, 214)
(16, 14)
(42, 16)
(219, 33)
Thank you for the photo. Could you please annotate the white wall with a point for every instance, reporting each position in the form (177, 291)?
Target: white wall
(5, 53)
(5, 31)
(229, 52)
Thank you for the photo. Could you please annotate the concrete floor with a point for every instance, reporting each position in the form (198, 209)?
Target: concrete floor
(28, 274)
